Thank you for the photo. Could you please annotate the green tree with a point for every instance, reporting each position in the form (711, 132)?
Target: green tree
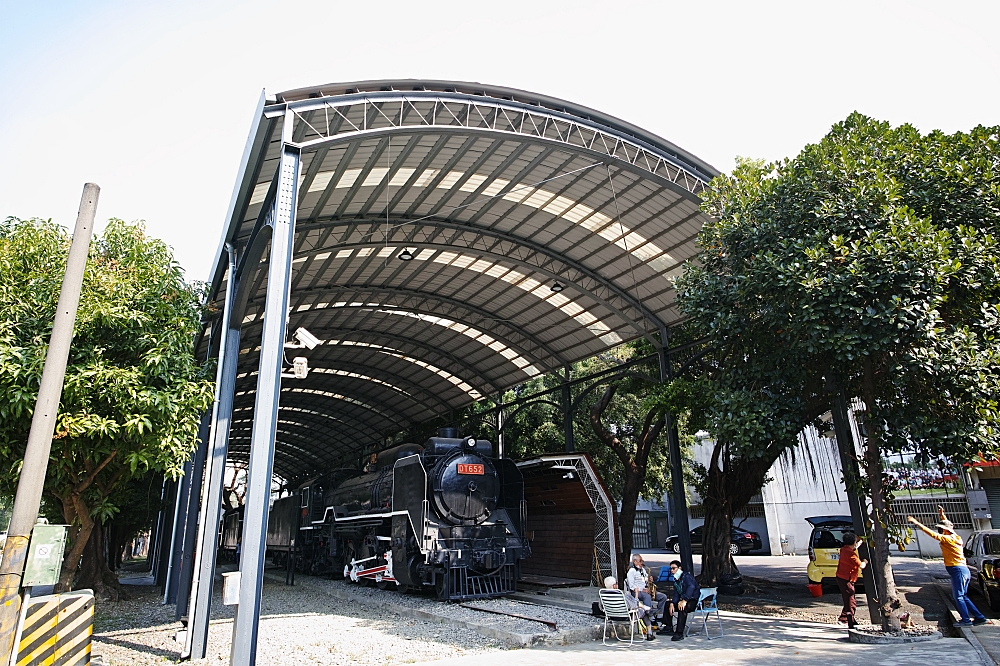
(614, 425)
(133, 392)
(753, 399)
(870, 261)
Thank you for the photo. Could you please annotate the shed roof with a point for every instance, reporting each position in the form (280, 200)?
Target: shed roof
(452, 240)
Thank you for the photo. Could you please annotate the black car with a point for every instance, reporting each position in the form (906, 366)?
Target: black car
(743, 541)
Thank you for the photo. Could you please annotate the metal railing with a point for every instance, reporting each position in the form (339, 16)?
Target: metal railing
(924, 509)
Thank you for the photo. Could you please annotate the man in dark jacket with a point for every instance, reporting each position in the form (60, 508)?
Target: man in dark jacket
(686, 592)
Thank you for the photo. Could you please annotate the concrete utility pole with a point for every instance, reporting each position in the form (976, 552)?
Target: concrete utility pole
(43, 421)
(849, 464)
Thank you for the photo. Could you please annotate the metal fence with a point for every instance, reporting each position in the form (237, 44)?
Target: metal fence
(751, 510)
(925, 510)
(640, 530)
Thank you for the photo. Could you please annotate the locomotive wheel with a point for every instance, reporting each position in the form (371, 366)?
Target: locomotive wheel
(384, 585)
(403, 589)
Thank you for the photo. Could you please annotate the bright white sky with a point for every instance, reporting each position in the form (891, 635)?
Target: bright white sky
(152, 101)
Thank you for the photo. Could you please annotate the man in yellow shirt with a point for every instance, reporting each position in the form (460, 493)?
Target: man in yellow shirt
(954, 562)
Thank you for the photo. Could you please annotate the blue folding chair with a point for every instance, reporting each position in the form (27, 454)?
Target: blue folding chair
(708, 603)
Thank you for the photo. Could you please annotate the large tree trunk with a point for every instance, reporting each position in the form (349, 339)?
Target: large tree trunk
(716, 559)
(885, 583)
(730, 486)
(77, 514)
(94, 573)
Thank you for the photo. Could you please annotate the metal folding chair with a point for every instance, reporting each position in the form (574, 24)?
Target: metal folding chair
(708, 603)
(616, 610)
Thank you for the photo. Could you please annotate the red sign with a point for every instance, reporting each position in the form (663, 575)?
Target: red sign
(471, 469)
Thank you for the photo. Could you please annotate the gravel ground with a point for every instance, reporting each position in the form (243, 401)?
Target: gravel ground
(311, 623)
(564, 619)
(298, 626)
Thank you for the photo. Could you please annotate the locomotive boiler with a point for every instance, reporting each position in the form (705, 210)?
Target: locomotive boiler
(446, 516)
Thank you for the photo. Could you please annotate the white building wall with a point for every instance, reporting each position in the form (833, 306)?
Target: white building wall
(804, 482)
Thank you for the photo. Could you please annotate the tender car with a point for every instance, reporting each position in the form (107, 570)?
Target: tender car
(825, 543)
(742, 541)
(982, 553)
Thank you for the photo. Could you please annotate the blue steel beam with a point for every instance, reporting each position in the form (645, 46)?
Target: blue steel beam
(282, 223)
(201, 592)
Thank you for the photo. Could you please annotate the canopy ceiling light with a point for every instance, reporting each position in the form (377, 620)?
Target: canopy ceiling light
(405, 255)
(557, 287)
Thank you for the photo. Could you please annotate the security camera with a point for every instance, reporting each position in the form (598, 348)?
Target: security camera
(300, 367)
(306, 338)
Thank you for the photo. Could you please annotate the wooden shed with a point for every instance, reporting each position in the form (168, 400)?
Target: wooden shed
(572, 523)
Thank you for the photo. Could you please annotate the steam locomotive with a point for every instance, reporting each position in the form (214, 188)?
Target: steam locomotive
(446, 516)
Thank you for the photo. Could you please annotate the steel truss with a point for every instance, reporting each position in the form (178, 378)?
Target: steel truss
(322, 119)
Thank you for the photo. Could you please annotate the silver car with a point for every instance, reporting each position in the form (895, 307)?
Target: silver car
(982, 553)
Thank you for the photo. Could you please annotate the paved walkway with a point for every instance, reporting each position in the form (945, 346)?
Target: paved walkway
(748, 640)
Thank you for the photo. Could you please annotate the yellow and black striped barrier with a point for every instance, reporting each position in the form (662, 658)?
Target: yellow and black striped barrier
(57, 630)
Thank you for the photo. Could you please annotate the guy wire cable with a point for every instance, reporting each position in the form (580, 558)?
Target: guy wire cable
(621, 228)
(388, 167)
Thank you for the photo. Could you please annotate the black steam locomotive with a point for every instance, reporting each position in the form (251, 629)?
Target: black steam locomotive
(446, 516)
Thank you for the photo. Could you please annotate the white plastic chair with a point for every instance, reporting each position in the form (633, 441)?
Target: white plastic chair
(616, 610)
(708, 603)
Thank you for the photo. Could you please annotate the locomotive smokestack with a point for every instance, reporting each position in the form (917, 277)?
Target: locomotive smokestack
(449, 432)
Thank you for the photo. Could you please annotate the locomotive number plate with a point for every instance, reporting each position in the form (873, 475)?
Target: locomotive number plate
(471, 469)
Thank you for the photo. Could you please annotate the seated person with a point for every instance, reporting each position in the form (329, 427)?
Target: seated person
(637, 584)
(632, 602)
(686, 594)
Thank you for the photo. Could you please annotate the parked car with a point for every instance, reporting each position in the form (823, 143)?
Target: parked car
(982, 553)
(743, 541)
(825, 543)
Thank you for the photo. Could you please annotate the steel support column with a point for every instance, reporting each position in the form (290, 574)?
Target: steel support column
(177, 535)
(153, 549)
(282, 222)
(185, 560)
(567, 402)
(207, 548)
(164, 534)
(501, 423)
(849, 465)
(678, 499)
(678, 496)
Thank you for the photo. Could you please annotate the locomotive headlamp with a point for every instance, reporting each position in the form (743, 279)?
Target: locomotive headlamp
(470, 442)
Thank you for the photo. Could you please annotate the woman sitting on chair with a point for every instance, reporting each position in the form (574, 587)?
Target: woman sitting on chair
(611, 583)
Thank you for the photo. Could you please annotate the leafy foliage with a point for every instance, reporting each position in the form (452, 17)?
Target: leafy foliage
(133, 392)
(868, 262)
(538, 428)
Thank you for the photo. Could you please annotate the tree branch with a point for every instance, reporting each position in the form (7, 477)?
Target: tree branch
(596, 411)
(83, 485)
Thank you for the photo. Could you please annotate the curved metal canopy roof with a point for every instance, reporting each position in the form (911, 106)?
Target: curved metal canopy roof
(541, 233)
